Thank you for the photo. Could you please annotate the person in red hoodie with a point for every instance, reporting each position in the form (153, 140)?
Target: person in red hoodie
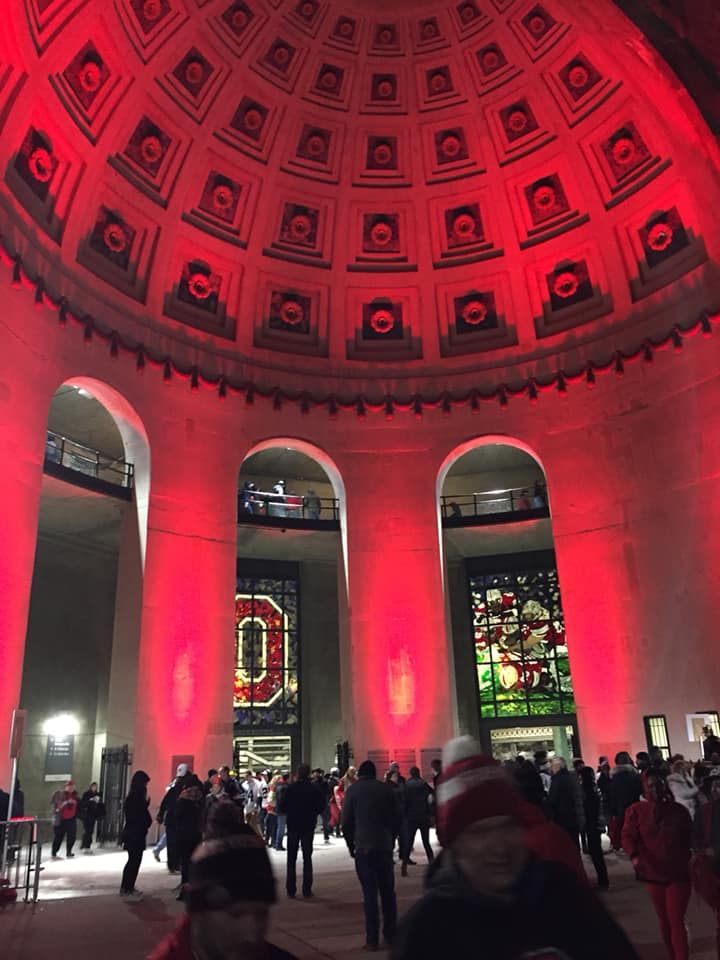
(657, 835)
(228, 897)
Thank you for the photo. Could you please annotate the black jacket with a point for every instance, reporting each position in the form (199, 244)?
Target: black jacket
(302, 803)
(625, 790)
(370, 816)
(563, 800)
(91, 807)
(416, 800)
(711, 745)
(137, 821)
(451, 920)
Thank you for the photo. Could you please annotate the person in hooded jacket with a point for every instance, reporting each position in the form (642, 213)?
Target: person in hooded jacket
(137, 823)
(188, 824)
(625, 790)
(657, 836)
(683, 789)
(487, 893)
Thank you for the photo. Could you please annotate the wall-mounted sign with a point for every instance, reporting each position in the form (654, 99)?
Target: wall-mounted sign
(59, 757)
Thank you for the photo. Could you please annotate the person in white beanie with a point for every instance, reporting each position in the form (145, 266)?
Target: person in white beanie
(489, 891)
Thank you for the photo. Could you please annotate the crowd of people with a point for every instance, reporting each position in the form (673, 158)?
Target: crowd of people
(279, 502)
(510, 835)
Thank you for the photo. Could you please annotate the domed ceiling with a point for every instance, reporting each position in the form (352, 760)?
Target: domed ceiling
(327, 195)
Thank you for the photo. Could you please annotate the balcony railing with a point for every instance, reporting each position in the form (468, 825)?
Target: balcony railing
(76, 463)
(288, 510)
(495, 506)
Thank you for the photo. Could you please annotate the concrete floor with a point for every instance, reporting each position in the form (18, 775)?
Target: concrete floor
(80, 913)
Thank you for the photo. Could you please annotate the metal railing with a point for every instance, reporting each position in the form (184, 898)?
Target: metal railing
(63, 452)
(495, 503)
(22, 868)
(257, 505)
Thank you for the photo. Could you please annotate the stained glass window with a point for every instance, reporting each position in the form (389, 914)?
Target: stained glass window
(520, 647)
(266, 689)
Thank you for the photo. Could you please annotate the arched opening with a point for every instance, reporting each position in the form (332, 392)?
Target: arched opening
(86, 597)
(290, 572)
(504, 600)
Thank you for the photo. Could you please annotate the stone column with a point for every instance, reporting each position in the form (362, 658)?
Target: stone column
(185, 666)
(399, 657)
(24, 403)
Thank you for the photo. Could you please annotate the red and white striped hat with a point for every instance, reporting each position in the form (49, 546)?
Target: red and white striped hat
(472, 787)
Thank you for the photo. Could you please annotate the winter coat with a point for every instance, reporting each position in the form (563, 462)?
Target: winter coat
(91, 807)
(592, 809)
(452, 920)
(657, 838)
(65, 806)
(711, 746)
(137, 821)
(416, 801)
(625, 790)
(188, 815)
(684, 791)
(178, 946)
(370, 815)
(564, 802)
(530, 784)
(166, 813)
(302, 803)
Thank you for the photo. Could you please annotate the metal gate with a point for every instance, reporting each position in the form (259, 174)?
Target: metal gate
(114, 769)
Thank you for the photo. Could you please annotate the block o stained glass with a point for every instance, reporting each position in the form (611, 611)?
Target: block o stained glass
(265, 691)
(520, 645)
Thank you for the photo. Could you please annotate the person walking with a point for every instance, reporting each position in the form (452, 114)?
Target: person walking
(625, 790)
(370, 823)
(251, 789)
(64, 804)
(592, 811)
(564, 801)
(188, 824)
(416, 816)
(92, 810)
(302, 803)
(137, 823)
(657, 836)
(488, 894)
(215, 795)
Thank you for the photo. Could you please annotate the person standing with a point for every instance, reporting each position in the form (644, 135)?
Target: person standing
(488, 894)
(333, 781)
(706, 862)
(134, 835)
(252, 800)
(64, 804)
(625, 790)
(564, 802)
(416, 815)
(711, 744)
(302, 803)
(657, 836)
(280, 789)
(683, 789)
(166, 815)
(323, 788)
(370, 823)
(188, 824)
(592, 810)
(92, 810)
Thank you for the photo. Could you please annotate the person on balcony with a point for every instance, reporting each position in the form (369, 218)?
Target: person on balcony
(311, 502)
(276, 507)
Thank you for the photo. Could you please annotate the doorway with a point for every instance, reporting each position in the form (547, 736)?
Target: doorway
(556, 739)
